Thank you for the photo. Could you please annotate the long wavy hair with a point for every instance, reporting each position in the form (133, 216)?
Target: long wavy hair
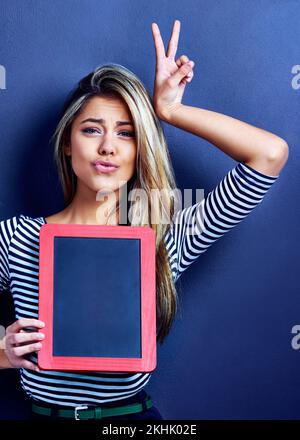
(154, 177)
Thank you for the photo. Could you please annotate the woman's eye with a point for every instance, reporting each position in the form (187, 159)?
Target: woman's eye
(92, 131)
(89, 130)
(129, 133)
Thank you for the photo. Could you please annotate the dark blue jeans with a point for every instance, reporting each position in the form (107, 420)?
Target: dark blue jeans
(148, 414)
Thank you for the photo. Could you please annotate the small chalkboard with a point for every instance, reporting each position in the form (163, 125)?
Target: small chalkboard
(97, 297)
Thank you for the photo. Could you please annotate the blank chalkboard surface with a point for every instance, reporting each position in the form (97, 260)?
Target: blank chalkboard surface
(97, 298)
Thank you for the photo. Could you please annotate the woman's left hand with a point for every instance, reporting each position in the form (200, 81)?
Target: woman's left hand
(171, 76)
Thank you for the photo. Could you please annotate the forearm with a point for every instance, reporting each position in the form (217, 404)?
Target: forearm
(4, 363)
(241, 141)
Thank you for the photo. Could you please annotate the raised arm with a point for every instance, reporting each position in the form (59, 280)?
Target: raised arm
(197, 227)
(258, 148)
(261, 156)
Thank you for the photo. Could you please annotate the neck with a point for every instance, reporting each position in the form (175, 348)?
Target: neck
(86, 210)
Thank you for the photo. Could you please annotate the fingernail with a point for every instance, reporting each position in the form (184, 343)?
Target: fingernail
(191, 63)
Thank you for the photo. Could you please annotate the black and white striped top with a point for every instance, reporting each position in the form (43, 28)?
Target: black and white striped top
(193, 230)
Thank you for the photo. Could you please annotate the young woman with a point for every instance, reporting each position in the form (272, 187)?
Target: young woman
(110, 138)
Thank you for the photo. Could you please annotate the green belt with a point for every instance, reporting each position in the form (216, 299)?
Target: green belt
(84, 412)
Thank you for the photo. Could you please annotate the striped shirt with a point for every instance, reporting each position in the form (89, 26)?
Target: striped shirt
(191, 232)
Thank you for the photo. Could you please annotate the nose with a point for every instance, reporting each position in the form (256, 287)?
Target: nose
(106, 145)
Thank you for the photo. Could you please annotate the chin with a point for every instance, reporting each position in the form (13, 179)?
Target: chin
(105, 191)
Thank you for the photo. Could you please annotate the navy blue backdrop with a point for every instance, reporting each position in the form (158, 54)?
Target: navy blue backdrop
(229, 354)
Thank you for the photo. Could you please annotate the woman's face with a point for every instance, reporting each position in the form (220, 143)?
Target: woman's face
(103, 131)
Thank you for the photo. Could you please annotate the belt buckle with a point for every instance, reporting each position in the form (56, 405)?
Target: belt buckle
(79, 408)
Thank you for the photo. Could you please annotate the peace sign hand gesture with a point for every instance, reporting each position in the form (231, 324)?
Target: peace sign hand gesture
(171, 76)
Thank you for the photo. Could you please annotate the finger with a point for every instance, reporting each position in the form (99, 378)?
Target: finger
(182, 60)
(191, 73)
(159, 44)
(29, 365)
(178, 76)
(173, 43)
(26, 349)
(23, 323)
(20, 338)
(189, 77)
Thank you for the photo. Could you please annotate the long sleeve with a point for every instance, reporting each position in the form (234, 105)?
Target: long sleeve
(7, 228)
(195, 228)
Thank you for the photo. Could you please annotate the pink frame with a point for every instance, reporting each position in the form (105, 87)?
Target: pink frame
(147, 362)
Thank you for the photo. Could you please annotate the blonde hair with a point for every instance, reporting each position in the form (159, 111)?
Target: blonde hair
(153, 169)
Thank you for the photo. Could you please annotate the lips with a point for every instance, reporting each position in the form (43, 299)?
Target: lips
(105, 163)
(104, 167)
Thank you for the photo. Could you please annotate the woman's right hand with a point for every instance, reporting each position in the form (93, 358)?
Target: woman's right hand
(18, 342)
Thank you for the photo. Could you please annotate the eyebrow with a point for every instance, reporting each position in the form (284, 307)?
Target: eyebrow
(102, 121)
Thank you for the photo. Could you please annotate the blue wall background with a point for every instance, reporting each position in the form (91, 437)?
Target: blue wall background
(229, 354)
